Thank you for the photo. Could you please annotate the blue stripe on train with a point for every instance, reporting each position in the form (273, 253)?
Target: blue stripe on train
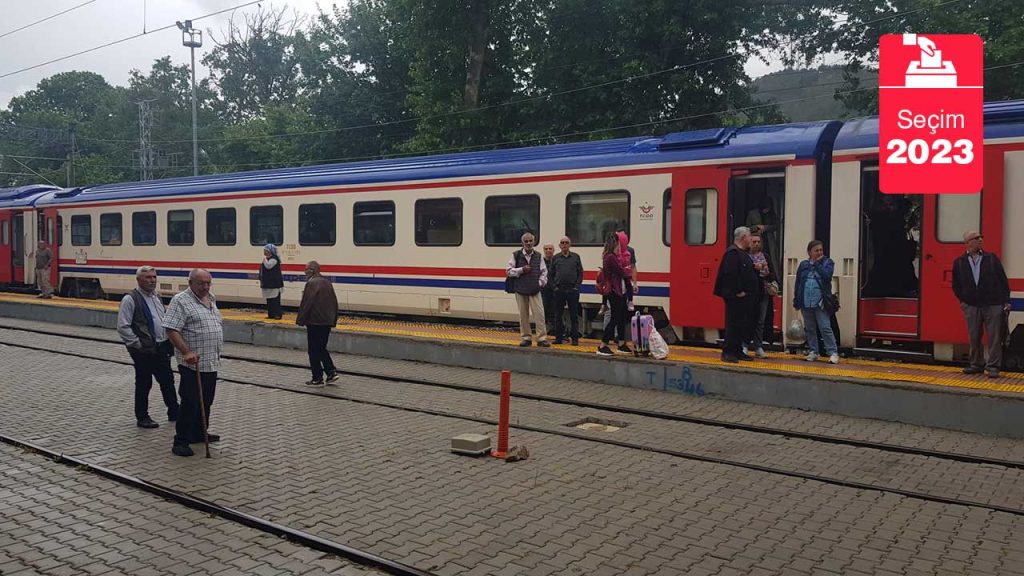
(654, 291)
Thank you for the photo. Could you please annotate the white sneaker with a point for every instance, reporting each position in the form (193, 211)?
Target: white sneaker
(760, 353)
(833, 359)
(812, 357)
(745, 349)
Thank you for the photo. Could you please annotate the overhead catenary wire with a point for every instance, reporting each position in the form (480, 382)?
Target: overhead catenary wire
(122, 40)
(50, 17)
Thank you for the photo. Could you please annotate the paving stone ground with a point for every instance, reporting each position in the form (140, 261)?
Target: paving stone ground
(726, 410)
(382, 479)
(58, 521)
(995, 485)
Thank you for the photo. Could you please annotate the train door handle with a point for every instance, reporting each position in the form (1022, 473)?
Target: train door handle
(704, 273)
(927, 256)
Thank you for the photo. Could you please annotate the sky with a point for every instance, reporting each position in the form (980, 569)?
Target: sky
(102, 21)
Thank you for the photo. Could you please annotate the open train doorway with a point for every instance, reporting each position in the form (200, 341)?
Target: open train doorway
(18, 248)
(757, 201)
(890, 259)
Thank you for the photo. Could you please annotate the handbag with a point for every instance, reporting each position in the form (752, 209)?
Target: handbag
(829, 301)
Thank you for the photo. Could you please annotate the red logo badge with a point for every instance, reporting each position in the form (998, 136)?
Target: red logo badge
(931, 113)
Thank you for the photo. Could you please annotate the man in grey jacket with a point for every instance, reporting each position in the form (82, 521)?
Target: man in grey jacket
(567, 276)
(140, 326)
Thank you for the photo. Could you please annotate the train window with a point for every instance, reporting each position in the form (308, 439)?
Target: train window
(591, 216)
(5, 232)
(439, 222)
(181, 228)
(49, 231)
(507, 218)
(220, 227)
(956, 214)
(373, 223)
(110, 229)
(701, 216)
(317, 224)
(666, 217)
(81, 230)
(60, 230)
(144, 228)
(266, 225)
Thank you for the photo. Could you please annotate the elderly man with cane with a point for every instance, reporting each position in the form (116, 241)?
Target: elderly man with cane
(194, 326)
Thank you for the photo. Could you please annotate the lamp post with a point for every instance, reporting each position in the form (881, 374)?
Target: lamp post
(193, 38)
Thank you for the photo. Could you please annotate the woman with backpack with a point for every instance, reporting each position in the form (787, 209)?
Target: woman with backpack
(613, 276)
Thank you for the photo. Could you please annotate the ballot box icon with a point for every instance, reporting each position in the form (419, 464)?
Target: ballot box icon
(931, 71)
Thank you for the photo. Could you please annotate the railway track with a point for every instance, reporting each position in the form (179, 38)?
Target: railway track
(297, 536)
(624, 410)
(693, 456)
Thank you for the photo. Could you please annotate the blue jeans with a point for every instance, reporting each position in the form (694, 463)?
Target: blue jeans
(817, 320)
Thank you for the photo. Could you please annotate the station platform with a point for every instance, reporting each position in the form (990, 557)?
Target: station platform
(930, 395)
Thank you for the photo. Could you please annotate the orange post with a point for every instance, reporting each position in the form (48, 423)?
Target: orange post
(506, 390)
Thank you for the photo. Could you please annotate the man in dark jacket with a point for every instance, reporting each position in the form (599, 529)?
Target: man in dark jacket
(566, 276)
(318, 312)
(141, 328)
(980, 285)
(737, 284)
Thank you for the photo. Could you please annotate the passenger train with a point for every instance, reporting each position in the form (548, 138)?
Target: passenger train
(430, 236)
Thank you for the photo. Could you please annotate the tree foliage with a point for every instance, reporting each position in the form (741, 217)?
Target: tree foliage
(384, 77)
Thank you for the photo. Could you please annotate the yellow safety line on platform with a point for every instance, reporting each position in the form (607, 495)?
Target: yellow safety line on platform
(858, 368)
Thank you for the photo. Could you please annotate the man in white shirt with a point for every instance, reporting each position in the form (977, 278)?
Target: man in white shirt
(140, 326)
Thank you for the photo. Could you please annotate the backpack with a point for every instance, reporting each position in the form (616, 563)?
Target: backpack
(603, 287)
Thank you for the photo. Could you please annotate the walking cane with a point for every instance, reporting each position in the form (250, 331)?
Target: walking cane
(202, 410)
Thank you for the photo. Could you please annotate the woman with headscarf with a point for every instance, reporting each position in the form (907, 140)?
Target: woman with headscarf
(271, 281)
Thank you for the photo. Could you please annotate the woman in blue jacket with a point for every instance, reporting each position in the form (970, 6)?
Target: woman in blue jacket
(813, 281)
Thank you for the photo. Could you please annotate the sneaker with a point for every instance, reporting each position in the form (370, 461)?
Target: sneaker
(992, 373)
(623, 349)
(332, 378)
(181, 450)
(730, 359)
(760, 353)
(812, 357)
(147, 422)
(604, 351)
(833, 359)
(313, 383)
(745, 350)
(745, 358)
(543, 344)
(575, 341)
(525, 343)
(973, 370)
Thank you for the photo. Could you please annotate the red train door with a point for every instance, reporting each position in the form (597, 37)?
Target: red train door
(52, 238)
(946, 218)
(699, 238)
(6, 275)
(18, 247)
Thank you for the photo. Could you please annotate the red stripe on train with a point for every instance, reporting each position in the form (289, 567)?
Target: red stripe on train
(342, 269)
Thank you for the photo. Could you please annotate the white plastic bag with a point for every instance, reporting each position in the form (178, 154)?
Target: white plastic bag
(796, 331)
(659, 349)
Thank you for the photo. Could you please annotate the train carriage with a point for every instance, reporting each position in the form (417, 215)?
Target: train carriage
(894, 254)
(429, 236)
(20, 229)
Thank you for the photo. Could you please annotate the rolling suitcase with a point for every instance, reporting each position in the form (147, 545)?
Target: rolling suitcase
(641, 326)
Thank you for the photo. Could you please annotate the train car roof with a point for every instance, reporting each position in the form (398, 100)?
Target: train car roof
(798, 141)
(1003, 119)
(23, 196)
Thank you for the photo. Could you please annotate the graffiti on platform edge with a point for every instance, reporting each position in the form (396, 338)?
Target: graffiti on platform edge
(684, 383)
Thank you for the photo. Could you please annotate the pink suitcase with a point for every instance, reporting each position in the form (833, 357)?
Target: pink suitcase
(640, 328)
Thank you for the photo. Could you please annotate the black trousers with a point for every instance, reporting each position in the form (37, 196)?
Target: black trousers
(572, 299)
(148, 367)
(738, 315)
(190, 422)
(618, 320)
(316, 345)
(547, 297)
(274, 308)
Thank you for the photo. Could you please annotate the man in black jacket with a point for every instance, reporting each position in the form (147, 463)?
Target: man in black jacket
(566, 276)
(980, 285)
(737, 284)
